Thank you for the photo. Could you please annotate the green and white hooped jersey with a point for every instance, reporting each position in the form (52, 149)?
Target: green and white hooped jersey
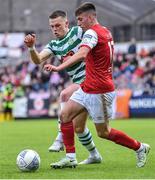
(68, 46)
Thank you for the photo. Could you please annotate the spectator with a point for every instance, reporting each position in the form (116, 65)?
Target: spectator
(132, 47)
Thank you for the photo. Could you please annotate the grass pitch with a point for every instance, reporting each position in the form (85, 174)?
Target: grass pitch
(118, 162)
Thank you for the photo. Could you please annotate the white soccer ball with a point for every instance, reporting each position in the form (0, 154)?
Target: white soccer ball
(28, 160)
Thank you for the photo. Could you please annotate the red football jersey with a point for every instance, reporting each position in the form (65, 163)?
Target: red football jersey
(98, 61)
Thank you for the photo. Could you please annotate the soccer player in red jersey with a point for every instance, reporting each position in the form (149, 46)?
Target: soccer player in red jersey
(97, 91)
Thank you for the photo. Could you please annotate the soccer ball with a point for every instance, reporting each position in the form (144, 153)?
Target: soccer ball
(28, 160)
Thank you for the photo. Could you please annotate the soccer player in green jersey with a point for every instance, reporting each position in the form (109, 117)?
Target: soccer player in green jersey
(66, 44)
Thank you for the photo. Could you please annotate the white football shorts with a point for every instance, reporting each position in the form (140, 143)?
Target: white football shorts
(99, 106)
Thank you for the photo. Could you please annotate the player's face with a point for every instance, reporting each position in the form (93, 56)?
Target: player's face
(83, 21)
(59, 26)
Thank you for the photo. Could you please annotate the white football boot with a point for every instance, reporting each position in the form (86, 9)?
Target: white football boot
(96, 159)
(142, 155)
(56, 146)
(66, 162)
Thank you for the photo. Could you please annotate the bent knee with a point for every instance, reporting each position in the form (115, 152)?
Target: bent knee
(64, 96)
(64, 117)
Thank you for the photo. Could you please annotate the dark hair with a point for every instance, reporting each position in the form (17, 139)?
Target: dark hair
(85, 7)
(58, 13)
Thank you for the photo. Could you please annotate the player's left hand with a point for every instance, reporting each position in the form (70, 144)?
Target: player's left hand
(49, 67)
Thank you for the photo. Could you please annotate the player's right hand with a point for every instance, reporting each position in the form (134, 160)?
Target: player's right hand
(30, 40)
(49, 67)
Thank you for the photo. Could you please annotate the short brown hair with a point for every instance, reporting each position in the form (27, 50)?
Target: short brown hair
(58, 13)
(85, 7)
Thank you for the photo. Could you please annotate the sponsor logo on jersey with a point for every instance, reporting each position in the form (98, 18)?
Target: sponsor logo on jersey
(70, 41)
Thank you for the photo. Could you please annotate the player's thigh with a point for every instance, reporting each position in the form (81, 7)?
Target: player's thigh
(71, 110)
(80, 122)
(67, 92)
(99, 106)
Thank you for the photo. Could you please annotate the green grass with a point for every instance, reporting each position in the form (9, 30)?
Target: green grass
(119, 162)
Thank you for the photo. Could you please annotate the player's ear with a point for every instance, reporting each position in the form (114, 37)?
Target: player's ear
(90, 17)
(67, 23)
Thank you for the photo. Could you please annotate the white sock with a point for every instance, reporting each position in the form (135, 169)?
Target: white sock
(71, 155)
(94, 153)
(59, 137)
(86, 140)
(141, 148)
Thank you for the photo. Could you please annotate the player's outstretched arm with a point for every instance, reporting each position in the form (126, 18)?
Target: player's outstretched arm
(36, 57)
(79, 56)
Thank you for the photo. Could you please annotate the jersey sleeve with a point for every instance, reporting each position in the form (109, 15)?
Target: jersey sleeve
(48, 48)
(89, 39)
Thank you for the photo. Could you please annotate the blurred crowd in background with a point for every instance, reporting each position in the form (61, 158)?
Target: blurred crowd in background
(133, 70)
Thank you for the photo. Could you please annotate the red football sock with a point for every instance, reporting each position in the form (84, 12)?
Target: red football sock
(121, 138)
(67, 130)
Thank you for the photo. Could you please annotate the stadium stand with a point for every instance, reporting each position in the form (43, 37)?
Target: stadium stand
(126, 18)
(134, 67)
